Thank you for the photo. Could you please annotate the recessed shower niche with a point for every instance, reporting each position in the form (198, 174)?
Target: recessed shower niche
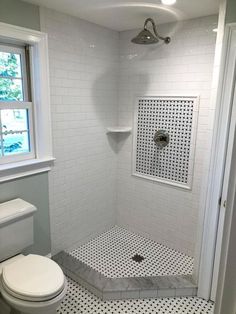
(164, 139)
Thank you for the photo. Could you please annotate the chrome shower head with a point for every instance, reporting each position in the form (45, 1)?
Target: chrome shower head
(145, 37)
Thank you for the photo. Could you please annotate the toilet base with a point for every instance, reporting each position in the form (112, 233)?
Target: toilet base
(6, 309)
(14, 311)
(17, 306)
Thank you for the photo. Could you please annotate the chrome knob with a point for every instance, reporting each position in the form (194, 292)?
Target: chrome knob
(161, 138)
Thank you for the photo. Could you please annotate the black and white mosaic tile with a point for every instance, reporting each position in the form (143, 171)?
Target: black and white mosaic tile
(111, 254)
(80, 301)
(176, 116)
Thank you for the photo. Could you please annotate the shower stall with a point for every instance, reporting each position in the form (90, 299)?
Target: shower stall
(132, 139)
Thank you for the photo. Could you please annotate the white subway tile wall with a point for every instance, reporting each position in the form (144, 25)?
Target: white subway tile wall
(95, 74)
(83, 61)
(184, 67)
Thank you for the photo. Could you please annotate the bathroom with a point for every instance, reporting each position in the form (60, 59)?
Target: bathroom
(109, 205)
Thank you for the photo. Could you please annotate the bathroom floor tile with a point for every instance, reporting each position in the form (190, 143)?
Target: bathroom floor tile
(80, 301)
(112, 252)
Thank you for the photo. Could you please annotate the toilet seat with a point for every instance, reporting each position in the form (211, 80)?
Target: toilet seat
(33, 278)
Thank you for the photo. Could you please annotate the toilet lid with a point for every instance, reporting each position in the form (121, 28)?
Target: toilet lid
(33, 277)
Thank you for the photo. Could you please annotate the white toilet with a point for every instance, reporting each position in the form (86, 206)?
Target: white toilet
(31, 283)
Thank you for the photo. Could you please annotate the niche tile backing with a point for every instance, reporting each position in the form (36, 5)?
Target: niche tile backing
(172, 164)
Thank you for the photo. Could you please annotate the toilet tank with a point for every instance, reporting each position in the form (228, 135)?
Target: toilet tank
(16, 227)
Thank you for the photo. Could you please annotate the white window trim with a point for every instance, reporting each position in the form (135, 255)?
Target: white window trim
(41, 99)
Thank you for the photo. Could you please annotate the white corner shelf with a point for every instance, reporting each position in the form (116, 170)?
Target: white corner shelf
(119, 129)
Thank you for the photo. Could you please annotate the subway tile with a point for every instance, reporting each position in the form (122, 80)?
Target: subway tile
(92, 86)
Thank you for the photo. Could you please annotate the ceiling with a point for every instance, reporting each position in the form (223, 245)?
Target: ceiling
(123, 15)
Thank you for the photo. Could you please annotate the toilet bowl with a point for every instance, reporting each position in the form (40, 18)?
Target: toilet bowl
(32, 284)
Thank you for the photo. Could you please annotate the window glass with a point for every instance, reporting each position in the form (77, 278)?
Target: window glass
(10, 64)
(11, 80)
(16, 143)
(14, 119)
(15, 131)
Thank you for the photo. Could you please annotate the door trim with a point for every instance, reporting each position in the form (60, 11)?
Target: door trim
(217, 162)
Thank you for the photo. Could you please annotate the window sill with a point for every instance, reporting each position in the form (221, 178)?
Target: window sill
(25, 168)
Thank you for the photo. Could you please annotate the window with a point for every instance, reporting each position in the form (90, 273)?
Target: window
(25, 123)
(16, 123)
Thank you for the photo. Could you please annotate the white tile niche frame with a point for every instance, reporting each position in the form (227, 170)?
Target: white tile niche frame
(174, 163)
(40, 98)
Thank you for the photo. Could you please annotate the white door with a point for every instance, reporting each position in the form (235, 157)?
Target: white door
(226, 296)
(219, 170)
(225, 188)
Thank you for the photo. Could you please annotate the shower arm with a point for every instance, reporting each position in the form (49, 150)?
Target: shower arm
(166, 39)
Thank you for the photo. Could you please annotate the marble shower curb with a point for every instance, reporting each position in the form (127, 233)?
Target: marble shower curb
(126, 287)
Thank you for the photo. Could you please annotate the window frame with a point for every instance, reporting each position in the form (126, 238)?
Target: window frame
(24, 104)
(40, 97)
(20, 156)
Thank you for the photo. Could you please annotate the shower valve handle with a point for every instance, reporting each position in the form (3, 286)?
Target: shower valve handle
(161, 138)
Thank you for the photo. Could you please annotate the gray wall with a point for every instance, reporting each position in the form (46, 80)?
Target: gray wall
(33, 189)
(231, 11)
(19, 13)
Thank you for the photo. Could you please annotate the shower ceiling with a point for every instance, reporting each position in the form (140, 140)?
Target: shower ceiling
(123, 15)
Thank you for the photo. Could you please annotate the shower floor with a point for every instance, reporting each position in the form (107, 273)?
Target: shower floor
(79, 300)
(111, 254)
